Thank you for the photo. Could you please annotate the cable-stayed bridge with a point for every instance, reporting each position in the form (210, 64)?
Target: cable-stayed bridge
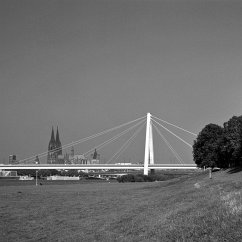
(149, 121)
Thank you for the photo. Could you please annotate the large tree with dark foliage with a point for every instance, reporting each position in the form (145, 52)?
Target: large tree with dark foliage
(217, 146)
(233, 141)
(206, 149)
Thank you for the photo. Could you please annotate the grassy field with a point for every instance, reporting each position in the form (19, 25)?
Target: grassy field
(188, 208)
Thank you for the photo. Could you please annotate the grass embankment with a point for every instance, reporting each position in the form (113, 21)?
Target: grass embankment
(191, 208)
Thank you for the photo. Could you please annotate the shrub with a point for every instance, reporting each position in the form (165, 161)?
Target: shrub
(142, 178)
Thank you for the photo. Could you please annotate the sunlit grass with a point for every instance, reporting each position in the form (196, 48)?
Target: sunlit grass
(233, 202)
(191, 208)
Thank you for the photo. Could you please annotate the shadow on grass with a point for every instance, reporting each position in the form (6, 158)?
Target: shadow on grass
(234, 170)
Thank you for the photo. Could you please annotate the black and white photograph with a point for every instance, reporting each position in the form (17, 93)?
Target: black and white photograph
(120, 120)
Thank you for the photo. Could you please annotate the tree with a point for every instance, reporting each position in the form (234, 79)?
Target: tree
(27, 172)
(72, 173)
(223, 158)
(233, 144)
(206, 146)
(44, 173)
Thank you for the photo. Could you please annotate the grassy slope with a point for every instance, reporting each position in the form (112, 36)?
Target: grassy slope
(193, 208)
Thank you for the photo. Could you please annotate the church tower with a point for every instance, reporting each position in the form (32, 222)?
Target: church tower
(51, 157)
(58, 144)
(95, 155)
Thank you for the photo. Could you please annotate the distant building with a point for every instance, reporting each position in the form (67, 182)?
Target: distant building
(95, 158)
(81, 159)
(55, 149)
(55, 153)
(12, 159)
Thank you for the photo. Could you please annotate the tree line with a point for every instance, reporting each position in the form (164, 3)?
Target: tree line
(219, 146)
(45, 173)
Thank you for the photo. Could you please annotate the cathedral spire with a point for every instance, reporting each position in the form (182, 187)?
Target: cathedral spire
(95, 155)
(57, 140)
(51, 149)
(58, 143)
(52, 139)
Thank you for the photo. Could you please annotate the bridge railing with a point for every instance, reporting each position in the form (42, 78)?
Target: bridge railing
(96, 166)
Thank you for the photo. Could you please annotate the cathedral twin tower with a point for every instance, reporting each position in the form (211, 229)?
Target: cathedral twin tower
(54, 148)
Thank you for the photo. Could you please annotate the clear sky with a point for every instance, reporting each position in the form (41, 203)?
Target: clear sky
(87, 66)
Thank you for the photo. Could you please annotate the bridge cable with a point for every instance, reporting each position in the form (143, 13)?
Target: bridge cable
(81, 140)
(173, 134)
(113, 138)
(169, 145)
(175, 126)
(100, 146)
(126, 144)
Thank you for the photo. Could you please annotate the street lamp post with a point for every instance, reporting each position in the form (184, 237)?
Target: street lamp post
(36, 178)
(36, 172)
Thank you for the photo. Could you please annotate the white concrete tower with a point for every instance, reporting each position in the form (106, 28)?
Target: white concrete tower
(149, 150)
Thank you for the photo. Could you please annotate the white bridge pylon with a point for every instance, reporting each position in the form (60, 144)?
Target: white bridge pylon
(149, 148)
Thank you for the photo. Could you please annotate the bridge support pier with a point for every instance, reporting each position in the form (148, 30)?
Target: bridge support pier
(149, 150)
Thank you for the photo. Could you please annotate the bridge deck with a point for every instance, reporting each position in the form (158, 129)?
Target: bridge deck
(95, 167)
